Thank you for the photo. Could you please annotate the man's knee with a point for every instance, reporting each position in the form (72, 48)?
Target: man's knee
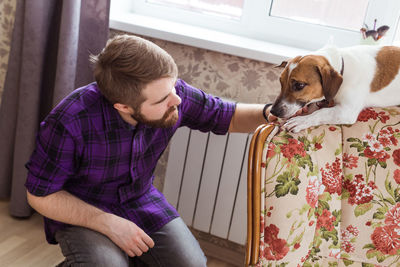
(84, 247)
(176, 245)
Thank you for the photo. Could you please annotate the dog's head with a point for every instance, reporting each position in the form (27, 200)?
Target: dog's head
(305, 80)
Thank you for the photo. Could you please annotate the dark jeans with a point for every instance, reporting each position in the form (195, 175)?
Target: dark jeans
(174, 246)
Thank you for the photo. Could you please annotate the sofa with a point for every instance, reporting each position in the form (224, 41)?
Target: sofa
(327, 196)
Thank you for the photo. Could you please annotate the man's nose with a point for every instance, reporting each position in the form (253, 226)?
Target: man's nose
(176, 100)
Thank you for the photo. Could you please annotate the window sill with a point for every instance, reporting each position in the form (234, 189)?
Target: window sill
(203, 38)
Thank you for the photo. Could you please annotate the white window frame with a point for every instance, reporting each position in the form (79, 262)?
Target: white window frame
(256, 35)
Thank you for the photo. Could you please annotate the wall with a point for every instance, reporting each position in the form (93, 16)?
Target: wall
(7, 11)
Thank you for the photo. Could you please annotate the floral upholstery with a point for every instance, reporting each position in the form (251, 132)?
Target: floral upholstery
(330, 195)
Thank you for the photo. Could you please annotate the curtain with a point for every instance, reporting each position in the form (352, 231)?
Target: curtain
(49, 58)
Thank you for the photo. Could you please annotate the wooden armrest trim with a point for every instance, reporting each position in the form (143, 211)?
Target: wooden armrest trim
(250, 194)
(258, 150)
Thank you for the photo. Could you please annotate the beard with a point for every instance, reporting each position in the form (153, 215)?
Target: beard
(168, 120)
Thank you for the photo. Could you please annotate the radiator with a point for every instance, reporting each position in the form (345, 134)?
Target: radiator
(206, 180)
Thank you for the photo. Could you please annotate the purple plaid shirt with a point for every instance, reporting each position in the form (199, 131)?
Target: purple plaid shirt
(84, 147)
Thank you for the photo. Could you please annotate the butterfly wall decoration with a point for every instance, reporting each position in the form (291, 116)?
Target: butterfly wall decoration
(376, 34)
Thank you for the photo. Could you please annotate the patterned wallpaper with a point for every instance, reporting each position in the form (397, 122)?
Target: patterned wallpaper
(7, 10)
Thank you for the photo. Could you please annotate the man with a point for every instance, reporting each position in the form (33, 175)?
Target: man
(91, 172)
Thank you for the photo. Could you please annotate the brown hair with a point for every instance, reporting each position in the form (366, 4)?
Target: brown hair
(127, 64)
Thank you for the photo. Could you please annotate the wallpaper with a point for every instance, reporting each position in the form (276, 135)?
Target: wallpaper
(7, 11)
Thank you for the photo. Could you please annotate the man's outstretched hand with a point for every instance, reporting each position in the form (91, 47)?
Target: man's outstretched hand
(271, 118)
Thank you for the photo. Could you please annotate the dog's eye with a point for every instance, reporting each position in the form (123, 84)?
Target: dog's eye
(297, 86)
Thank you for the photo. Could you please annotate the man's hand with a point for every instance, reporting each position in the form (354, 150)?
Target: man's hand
(308, 109)
(127, 235)
(271, 118)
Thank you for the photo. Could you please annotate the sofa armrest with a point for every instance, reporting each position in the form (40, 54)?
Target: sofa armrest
(262, 133)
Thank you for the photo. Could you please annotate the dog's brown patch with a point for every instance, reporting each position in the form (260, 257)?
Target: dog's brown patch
(387, 67)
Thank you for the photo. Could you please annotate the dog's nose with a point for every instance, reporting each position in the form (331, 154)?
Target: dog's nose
(277, 111)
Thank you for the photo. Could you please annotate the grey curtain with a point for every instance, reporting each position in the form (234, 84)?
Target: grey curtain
(50, 48)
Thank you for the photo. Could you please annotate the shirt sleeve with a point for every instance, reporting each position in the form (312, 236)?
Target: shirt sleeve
(52, 162)
(202, 111)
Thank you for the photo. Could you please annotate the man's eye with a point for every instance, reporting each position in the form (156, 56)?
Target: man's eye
(297, 86)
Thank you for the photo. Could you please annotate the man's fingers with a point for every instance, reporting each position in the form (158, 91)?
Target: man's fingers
(136, 251)
(313, 107)
(130, 253)
(149, 242)
(137, 248)
(302, 111)
(143, 247)
(272, 118)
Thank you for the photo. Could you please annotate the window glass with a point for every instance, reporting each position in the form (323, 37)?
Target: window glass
(346, 14)
(227, 8)
(396, 40)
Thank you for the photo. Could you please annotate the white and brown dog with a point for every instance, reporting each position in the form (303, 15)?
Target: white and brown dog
(352, 78)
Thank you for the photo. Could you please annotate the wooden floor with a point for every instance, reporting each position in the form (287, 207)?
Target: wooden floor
(22, 243)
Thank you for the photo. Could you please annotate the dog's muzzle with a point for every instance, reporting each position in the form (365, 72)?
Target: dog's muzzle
(286, 110)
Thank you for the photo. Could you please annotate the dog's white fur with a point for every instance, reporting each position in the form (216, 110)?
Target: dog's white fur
(354, 94)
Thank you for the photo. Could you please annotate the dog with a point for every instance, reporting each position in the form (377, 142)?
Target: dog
(344, 80)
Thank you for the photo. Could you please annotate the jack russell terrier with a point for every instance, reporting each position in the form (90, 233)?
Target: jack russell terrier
(347, 80)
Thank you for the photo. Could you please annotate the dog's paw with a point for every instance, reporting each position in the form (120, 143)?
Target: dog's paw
(297, 124)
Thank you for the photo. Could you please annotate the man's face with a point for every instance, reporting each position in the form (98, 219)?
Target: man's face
(160, 107)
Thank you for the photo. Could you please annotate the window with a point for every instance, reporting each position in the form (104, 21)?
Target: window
(342, 14)
(304, 24)
(226, 8)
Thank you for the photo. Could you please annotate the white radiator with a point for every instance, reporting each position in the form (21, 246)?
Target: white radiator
(206, 180)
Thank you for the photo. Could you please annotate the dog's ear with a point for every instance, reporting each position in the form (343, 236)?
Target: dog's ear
(282, 65)
(331, 81)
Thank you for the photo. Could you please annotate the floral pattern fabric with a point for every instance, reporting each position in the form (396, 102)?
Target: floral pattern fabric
(331, 194)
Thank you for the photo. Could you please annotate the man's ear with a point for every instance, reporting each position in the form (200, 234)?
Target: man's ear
(123, 108)
(331, 81)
